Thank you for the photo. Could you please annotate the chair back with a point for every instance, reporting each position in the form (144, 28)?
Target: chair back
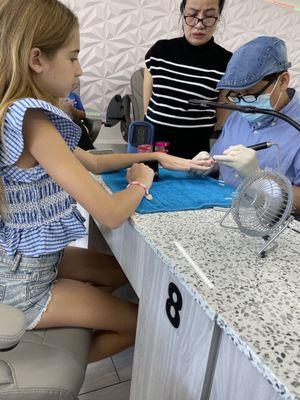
(137, 83)
(129, 107)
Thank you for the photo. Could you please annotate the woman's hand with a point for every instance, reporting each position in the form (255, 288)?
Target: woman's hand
(182, 164)
(204, 155)
(141, 173)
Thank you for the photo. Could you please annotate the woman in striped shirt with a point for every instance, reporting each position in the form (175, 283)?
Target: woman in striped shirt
(181, 69)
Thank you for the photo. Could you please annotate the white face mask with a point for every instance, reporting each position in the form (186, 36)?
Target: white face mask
(263, 101)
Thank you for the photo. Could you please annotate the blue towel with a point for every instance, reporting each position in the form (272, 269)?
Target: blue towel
(177, 191)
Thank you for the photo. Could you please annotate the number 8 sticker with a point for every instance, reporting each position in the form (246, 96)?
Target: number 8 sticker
(174, 305)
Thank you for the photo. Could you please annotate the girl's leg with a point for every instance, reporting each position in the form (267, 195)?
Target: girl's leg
(77, 303)
(101, 270)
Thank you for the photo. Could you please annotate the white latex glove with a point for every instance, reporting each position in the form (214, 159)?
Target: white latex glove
(241, 158)
(203, 155)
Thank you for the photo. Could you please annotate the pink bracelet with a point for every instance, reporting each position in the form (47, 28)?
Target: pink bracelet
(147, 194)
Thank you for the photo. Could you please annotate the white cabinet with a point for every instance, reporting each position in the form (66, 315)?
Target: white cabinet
(127, 245)
(180, 354)
(236, 378)
(170, 361)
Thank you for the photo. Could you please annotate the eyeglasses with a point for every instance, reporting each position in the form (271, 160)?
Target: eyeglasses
(207, 22)
(248, 98)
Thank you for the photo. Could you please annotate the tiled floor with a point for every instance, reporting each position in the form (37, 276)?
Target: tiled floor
(108, 379)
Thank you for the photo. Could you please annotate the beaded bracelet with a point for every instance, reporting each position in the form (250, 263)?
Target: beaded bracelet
(147, 194)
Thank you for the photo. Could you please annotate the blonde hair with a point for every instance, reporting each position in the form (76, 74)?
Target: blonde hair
(26, 24)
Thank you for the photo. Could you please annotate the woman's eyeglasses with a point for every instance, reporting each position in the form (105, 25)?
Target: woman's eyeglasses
(248, 98)
(207, 22)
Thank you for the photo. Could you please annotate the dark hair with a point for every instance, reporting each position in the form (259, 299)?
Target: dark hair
(183, 4)
(272, 77)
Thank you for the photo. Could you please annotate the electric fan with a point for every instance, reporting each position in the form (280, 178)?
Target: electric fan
(262, 207)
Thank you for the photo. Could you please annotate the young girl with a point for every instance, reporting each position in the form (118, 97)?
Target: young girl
(42, 172)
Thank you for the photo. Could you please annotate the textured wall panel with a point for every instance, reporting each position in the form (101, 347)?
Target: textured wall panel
(115, 35)
(244, 20)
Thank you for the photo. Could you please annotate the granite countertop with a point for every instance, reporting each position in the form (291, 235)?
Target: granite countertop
(256, 301)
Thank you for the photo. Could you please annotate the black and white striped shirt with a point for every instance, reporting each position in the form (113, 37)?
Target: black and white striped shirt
(181, 72)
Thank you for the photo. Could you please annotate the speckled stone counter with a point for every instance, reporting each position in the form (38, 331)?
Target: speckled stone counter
(255, 301)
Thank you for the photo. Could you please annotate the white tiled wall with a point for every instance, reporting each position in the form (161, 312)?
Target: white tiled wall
(117, 33)
(244, 20)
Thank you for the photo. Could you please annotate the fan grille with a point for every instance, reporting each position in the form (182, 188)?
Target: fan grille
(262, 203)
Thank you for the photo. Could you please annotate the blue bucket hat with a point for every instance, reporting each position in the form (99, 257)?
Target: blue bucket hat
(253, 61)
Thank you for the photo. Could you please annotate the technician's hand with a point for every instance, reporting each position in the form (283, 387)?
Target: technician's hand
(241, 158)
(141, 173)
(182, 164)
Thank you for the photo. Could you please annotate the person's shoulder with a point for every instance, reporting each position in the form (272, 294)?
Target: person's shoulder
(175, 40)
(292, 109)
(165, 44)
(173, 43)
(295, 98)
(224, 53)
(17, 110)
(13, 127)
(25, 103)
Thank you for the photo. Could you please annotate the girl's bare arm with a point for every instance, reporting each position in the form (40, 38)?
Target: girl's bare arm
(46, 145)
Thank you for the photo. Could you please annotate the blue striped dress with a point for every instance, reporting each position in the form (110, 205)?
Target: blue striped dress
(41, 217)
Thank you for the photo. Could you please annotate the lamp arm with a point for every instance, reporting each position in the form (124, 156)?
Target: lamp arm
(244, 109)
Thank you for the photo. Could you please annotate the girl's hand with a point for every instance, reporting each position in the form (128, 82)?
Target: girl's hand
(141, 173)
(203, 155)
(182, 164)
